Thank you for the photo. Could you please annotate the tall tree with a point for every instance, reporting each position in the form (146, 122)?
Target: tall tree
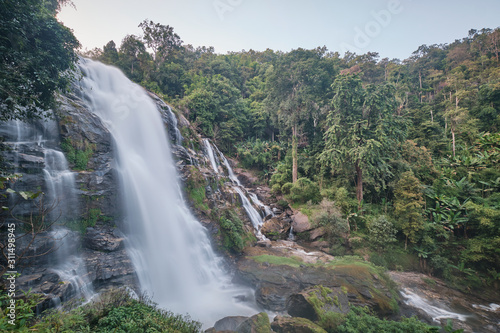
(296, 83)
(160, 38)
(408, 206)
(362, 129)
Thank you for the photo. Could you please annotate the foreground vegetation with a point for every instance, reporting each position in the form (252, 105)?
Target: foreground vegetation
(115, 311)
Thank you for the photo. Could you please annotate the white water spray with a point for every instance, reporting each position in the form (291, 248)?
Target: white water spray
(169, 248)
(436, 313)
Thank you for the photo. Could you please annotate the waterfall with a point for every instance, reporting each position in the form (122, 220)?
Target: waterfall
(435, 312)
(63, 202)
(69, 266)
(29, 142)
(169, 248)
(172, 126)
(252, 213)
(267, 211)
(61, 191)
(211, 156)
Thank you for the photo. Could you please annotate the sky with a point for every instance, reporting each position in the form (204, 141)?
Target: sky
(393, 28)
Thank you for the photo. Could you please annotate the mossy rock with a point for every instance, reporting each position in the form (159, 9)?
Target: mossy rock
(312, 303)
(295, 325)
(279, 272)
(255, 324)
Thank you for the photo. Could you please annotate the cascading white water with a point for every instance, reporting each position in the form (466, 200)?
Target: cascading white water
(266, 209)
(60, 201)
(230, 171)
(252, 213)
(70, 266)
(436, 313)
(211, 155)
(61, 191)
(170, 249)
(172, 126)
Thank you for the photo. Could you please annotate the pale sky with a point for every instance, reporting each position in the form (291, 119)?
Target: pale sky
(394, 28)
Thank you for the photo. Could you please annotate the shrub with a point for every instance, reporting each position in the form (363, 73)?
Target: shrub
(276, 189)
(116, 311)
(286, 188)
(304, 190)
(232, 232)
(382, 232)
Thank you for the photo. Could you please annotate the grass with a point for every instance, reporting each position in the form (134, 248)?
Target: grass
(275, 260)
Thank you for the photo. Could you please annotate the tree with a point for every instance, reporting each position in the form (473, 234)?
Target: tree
(160, 38)
(36, 52)
(362, 130)
(408, 206)
(296, 83)
(109, 53)
(382, 232)
(132, 54)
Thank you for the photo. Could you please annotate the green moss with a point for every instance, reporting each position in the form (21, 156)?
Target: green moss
(90, 220)
(331, 320)
(262, 324)
(275, 260)
(78, 153)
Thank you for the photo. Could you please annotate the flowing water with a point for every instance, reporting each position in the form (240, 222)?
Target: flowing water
(29, 142)
(434, 311)
(170, 249)
(252, 213)
(211, 156)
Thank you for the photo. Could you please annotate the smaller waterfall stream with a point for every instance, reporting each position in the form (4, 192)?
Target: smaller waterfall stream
(253, 214)
(435, 312)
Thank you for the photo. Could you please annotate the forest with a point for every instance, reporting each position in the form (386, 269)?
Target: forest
(406, 150)
(398, 160)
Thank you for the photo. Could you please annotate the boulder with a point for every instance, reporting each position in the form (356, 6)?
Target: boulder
(311, 303)
(300, 222)
(275, 229)
(317, 233)
(295, 325)
(258, 323)
(229, 323)
(285, 269)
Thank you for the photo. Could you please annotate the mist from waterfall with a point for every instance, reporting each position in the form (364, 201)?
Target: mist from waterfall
(170, 249)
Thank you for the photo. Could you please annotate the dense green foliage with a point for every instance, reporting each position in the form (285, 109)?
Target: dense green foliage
(360, 320)
(415, 140)
(115, 311)
(36, 52)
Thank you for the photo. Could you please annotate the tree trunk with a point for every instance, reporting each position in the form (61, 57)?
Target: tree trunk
(359, 184)
(294, 154)
(453, 141)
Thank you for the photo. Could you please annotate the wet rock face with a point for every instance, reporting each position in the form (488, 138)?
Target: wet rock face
(106, 240)
(83, 131)
(113, 269)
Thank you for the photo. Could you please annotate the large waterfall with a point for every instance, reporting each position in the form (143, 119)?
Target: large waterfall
(170, 249)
